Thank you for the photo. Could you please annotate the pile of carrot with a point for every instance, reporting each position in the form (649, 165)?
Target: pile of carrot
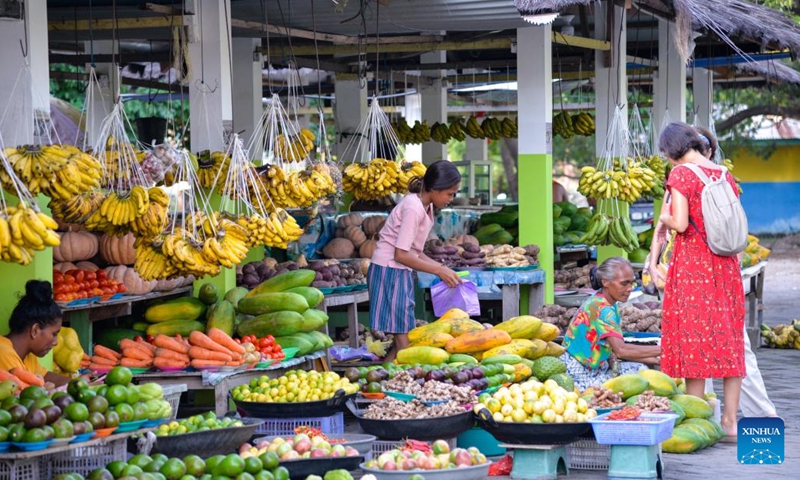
(85, 361)
(137, 353)
(214, 349)
(22, 378)
(171, 352)
(104, 358)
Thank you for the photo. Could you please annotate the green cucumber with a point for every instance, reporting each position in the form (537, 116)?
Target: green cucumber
(462, 357)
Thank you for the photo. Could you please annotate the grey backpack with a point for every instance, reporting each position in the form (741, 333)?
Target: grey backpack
(723, 215)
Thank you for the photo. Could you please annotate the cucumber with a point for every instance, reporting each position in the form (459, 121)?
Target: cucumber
(508, 369)
(508, 359)
(462, 357)
(456, 364)
(140, 326)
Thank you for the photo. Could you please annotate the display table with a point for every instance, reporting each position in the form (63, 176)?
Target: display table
(81, 317)
(222, 382)
(351, 300)
(753, 278)
(501, 285)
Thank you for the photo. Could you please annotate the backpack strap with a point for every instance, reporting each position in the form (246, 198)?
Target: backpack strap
(701, 174)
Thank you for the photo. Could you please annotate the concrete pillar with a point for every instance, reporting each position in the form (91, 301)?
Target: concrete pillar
(669, 101)
(103, 93)
(535, 167)
(433, 90)
(210, 108)
(611, 83)
(477, 149)
(413, 112)
(703, 93)
(247, 87)
(349, 109)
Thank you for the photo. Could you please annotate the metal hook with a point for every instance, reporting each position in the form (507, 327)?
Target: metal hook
(24, 47)
(202, 85)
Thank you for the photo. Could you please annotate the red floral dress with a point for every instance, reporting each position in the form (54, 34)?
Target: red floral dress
(703, 311)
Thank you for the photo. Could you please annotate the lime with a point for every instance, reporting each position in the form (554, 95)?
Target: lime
(3, 434)
(374, 387)
(140, 460)
(100, 474)
(244, 476)
(155, 465)
(133, 394)
(77, 412)
(194, 465)
(5, 418)
(173, 469)
(253, 465)
(281, 473)
(270, 460)
(264, 475)
(116, 467)
(119, 376)
(34, 435)
(33, 392)
(212, 462)
(132, 471)
(125, 412)
(86, 396)
(231, 466)
(116, 394)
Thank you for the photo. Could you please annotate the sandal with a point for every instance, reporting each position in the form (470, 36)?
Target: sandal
(729, 439)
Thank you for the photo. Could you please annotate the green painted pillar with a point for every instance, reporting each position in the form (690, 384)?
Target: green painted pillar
(535, 161)
(13, 277)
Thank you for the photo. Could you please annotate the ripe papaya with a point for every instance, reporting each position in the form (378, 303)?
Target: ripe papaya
(273, 302)
(539, 348)
(313, 319)
(182, 308)
(627, 385)
(478, 341)
(683, 440)
(694, 407)
(520, 347)
(547, 332)
(419, 333)
(522, 372)
(279, 324)
(312, 295)
(284, 281)
(460, 326)
(424, 355)
(175, 327)
(453, 313)
(221, 315)
(523, 326)
(554, 350)
(660, 383)
(437, 339)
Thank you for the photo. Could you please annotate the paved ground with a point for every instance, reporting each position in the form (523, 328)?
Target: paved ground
(782, 378)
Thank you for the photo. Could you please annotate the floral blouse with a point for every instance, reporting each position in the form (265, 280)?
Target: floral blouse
(596, 320)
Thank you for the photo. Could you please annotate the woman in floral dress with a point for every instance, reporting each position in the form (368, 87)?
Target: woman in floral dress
(703, 311)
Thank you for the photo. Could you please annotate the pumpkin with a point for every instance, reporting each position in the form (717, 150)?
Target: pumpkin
(166, 285)
(75, 246)
(118, 250)
(351, 219)
(372, 225)
(355, 235)
(339, 248)
(88, 266)
(64, 266)
(367, 249)
(134, 284)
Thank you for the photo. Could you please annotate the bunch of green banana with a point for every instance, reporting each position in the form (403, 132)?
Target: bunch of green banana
(456, 130)
(474, 128)
(421, 132)
(782, 336)
(440, 133)
(509, 128)
(562, 125)
(610, 230)
(402, 131)
(492, 128)
(583, 124)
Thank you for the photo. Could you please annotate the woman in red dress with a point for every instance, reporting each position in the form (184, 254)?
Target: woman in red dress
(703, 307)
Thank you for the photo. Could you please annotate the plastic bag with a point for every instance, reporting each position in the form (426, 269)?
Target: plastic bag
(501, 467)
(347, 354)
(463, 296)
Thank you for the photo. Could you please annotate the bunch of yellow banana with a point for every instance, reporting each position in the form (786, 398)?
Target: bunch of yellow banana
(294, 149)
(583, 124)
(457, 130)
(151, 262)
(474, 128)
(440, 133)
(728, 163)
(116, 160)
(628, 185)
(408, 170)
(119, 211)
(155, 218)
(604, 229)
(372, 180)
(35, 165)
(225, 242)
(76, 208)
(562, 125)
(23, 230)
(298, 189)
(81, 173)
(212, 168)
(276, 229)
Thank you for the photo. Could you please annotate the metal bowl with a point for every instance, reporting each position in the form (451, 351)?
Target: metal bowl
(418, 428)
(475, 472)
(320, 408)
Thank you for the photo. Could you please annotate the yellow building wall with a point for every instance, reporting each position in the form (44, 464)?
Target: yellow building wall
(782, 166)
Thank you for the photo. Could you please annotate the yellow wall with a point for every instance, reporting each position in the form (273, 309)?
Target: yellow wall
(782, 166)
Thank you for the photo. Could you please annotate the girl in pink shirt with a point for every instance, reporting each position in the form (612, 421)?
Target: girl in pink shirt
(399, 251)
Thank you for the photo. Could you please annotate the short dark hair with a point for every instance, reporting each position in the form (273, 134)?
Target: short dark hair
(678, 139)
(36, 307)
(440, 175)
(709, 142)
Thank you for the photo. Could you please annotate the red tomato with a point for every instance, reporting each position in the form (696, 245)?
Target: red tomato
(101, 274)
(121, 288)
(91, 276)
(80, 275)
(69, 279)
(270, 338)
(266, 350)
(264, 342)
(94, 284)
(60, 289)
(60, 297)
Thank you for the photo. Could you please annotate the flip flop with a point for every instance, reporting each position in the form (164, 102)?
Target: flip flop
(729, 439)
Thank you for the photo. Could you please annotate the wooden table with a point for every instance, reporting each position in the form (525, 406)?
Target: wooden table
(195, 380)
(754, 299)
(81, 317)
(351, 300)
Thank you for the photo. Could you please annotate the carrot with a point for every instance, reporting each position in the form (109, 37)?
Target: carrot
(198, 363)
(132, 362)
(225, 340)
(104, 361)
(162, 362)
(168, 354)
(234, 363)
(5, 375)
(136, 354)
(164, 341)
(200, 339)
(147, 346)
(128, 344)
(27, 377)
(205, 354)
(86, 357)
(106, 352)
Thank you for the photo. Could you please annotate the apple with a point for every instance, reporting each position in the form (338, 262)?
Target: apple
(390, 465)
(440, 446)
(245, 447)
(409, 464)
(463, 458)
(302, 445)
(319, 453)
(290, 455)
(300, 436)
(337, 451)
(383, 459)
(350, 452)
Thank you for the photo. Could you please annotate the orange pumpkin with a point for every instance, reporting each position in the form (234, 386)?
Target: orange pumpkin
(75, 247)
(134, 284)
(118, 250)
(367, 248)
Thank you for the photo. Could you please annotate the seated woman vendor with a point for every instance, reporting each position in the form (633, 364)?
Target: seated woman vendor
(595, 350)
(34, 326)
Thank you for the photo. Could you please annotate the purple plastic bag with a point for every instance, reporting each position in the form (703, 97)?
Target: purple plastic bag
(464, 296)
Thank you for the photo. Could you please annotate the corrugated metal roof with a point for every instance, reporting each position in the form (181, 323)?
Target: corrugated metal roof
(398, 17)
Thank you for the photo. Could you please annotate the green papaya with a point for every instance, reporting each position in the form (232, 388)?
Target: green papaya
(322, 340)
(567, 209)
(313, 319)
(304, 345)
(285, 281)
(182, 308)
(629, 384)
(274, 323)
(272, 302)
(312, 295)
(221, 315)
(504, 219)
(176, 327)
(208, 293)
(235, 294)
(683, 440)
(694, 407)
(485, 233)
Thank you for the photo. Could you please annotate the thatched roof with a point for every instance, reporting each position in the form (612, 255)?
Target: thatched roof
(724, 18)
(772, 71)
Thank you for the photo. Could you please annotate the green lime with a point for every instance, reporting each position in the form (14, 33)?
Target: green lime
(140, 460)
(132, 471)
(253, 465)
(77, 412)
(270, 460)
(155, 465)
(264, 475)
(3, 434)
(374, 387)
(212, 462)
(116, 394)
(5, 418)
(231, 466)
(244, 476)
(86, 396)
(116, 467)
(133, 394)
(34, 435)
(174, 469)
(100, 474)
(33, 392)
(194, 465)
(119, 376)
(281, 473)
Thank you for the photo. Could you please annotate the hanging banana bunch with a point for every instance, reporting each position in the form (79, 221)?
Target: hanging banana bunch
(457, 130)
(294, 148)
(440, 133)
(582, 124)
(372, 180)
(614, 230)
(562, 125)
(212, 168)
(509, 128)
(58, 171)
(474, 128)
(155, 219)
(403, 131)
(627, 182)
(77, 208)
(23, 230)
(408, 170)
